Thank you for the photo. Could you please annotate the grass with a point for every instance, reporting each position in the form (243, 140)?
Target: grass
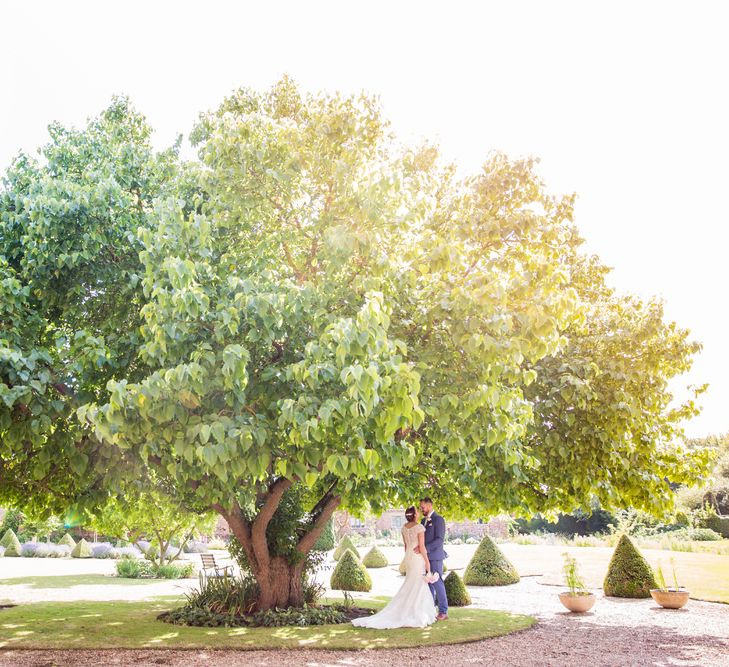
(130, 625)
(71, 580)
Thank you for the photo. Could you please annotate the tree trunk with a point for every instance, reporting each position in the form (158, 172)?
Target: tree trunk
(280, 583)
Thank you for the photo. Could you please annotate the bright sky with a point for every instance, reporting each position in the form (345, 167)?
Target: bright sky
(626, 103)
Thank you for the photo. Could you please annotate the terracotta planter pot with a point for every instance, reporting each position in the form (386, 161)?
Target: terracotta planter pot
(671, 598)
(579, 603)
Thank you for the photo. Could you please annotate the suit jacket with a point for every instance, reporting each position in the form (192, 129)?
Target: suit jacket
(434, 534)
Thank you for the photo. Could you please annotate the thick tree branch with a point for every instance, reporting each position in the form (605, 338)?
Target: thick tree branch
(259, 542)
(307, 541)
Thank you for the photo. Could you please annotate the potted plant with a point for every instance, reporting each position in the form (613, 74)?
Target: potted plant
(578, 599)
(669, 597)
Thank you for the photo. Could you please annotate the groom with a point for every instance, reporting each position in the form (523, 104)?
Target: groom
(434, 534)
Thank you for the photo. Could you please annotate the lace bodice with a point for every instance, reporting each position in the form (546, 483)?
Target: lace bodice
(410, 535)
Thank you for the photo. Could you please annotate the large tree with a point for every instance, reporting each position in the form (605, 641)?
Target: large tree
(342, 320)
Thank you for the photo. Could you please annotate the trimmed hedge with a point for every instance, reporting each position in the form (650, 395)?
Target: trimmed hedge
(628, 575)
(374, 558)
(345, 544)
(719, 524)
(82, 550)
(456, 591)
(350, 575)
(67, 540)
(326, 541)
(489, 567)
(11, 543)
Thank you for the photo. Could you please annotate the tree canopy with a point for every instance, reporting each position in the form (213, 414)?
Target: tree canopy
(314, 306)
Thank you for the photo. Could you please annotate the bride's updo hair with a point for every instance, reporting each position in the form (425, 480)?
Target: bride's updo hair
(410, 513)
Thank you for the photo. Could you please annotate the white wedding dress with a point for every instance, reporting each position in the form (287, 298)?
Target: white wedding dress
(412, 606)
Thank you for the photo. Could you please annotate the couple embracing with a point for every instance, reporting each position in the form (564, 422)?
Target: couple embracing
(414, 604)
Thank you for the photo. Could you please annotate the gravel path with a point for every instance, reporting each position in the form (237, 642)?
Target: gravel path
(618, 633)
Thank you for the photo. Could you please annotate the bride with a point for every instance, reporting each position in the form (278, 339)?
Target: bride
(412, 606)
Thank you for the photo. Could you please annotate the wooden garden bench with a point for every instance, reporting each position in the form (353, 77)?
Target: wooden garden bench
(208, 563)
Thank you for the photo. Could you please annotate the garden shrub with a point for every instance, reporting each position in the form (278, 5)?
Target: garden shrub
(133, 569)
(103, 550)
(127, 552)
(52, 551)
(195, 547)
(28, 549)
(628, 575)
(345, 544)
(402, 568)
(11, 543)
(489, 567)
(68, 540)
(306, 616)
(717, 524)
(13, 520)
(153, 552)
(174, 571)
(350, 575)
(326, 540)
(374, 558)
(681, 519)
(82, 550)
(232, 596)
(456, 591)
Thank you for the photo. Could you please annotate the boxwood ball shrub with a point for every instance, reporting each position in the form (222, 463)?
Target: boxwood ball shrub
(350, 575)
(374, 558)
(489, 567)
(67, 540)
(82, 550)
(458, 595)
(628, 575)
(345, 544)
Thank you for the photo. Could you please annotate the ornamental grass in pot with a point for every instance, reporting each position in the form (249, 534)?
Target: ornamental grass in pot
(669, 597)
(577, 599)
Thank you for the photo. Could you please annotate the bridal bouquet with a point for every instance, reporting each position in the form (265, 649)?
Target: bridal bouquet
(431, 577)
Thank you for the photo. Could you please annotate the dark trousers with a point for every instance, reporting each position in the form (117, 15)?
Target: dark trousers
(438, 588)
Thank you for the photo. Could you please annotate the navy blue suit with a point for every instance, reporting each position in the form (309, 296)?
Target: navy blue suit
(434, 535)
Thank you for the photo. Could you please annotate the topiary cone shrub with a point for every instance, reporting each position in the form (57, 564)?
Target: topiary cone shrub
(326, 540)
(374, 558)
(82, 550)
(489, 567)
(345, 544)
(456, 591)
(68, 541)
(11, 543)
(628, 575)
(350, 575)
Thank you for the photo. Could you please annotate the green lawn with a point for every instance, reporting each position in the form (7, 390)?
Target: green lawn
(71, 580)
(97, 625)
